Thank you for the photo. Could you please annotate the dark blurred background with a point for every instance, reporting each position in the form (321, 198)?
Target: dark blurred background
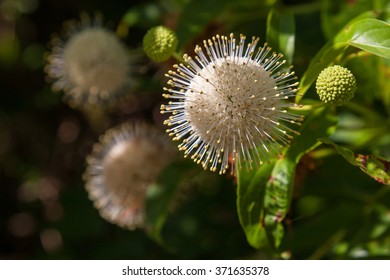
(45, 213)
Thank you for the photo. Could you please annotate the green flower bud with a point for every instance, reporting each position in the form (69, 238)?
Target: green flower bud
(160, 43)
(336, 85)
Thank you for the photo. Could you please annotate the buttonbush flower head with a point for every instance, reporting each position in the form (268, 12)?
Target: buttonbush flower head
(160, 43)
(228, 104)
(89, 63)
(336, 85)
(121, 167)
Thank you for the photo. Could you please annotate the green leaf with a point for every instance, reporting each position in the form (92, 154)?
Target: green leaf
(370, 35)
(279, 187)
(336, 14)
(278, 197)
(281, 32)
(373, 166)
(264, 195)
(250, 203)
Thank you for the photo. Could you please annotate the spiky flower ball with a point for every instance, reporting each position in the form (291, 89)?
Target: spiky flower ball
(89, 64)
(336, 85)
(160, 43)
(228, 104)
(121, 167)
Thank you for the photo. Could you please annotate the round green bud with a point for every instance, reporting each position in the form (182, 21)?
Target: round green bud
(160, 43)
(336, 85)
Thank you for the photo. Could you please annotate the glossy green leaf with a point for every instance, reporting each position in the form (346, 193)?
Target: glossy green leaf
(281, 32)
(373, 166)
(264, 195)
(336, 14)
(370, 35)
(278, 197)
(250, 203)
(279, 186)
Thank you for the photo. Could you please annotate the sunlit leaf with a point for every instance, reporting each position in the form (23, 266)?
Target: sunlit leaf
(250, 203)
(279, 186)
(335, 14)
(278, 197)
(264, 195)
(370, 35)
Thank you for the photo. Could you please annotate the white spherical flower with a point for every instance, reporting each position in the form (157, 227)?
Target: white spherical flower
(125, 162)
(228, 105)
(89, 64)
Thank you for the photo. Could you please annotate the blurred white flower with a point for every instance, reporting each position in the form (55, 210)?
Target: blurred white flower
(121, 167)
(90, 64)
